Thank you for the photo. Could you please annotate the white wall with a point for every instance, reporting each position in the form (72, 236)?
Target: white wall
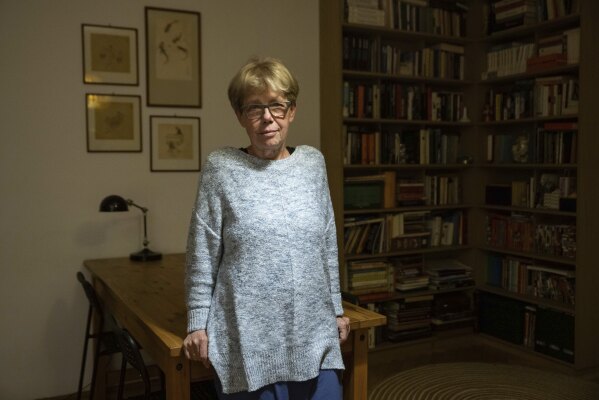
(51, 187)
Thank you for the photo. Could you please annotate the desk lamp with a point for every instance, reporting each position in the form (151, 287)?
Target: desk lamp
(117, 203)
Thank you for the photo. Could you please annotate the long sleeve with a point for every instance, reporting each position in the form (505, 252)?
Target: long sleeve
(204, 249)
(332, 261)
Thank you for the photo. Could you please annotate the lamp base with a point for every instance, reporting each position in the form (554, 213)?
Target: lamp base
(145, 255)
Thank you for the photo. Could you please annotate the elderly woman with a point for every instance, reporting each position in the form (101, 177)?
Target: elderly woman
(264, 306)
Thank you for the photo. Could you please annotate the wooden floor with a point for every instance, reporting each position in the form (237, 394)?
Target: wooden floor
(459, 346)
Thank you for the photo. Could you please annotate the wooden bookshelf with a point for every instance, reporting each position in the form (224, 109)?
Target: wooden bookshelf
(479, 172)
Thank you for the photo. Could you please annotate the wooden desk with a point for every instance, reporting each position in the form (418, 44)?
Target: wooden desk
(148, 299)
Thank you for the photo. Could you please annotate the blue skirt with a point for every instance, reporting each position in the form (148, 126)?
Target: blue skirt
(326, 386)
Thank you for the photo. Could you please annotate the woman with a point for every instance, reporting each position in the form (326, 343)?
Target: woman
(264, 306)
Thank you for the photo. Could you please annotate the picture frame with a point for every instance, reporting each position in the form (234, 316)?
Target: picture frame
(110, 55)
(174, 144)
(173, 58)
(113, 122)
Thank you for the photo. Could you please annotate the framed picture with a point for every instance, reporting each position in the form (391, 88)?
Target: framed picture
(173, 58)
(174, 143)
(109, 55)
(113, 123)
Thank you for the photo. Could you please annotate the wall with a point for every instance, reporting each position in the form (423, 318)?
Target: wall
(51, 187)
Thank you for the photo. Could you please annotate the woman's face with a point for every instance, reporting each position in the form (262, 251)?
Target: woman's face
(267, 133)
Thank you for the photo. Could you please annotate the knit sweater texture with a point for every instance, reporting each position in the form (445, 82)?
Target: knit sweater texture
(262, 271)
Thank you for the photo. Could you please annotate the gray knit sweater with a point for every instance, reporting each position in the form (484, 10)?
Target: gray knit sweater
(262, 270)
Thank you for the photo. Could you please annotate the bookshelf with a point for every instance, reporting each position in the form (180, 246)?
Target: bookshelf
(393, 103)
(359, 86)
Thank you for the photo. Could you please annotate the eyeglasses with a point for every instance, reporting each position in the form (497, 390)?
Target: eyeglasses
(255, 111)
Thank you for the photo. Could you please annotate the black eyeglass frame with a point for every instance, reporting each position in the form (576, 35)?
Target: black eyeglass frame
(288, 103)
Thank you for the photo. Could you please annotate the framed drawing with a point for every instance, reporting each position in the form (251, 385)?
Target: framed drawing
(113, 123)
(109, 55)
(173, 67)
(174, 143)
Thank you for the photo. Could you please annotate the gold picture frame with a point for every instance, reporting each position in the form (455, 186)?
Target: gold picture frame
(110, 55)
(174, 144)
(173, 61)
(113, 123)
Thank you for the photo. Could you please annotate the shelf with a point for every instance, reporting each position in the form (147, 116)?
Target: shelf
(525, 166)
(405, 122)
(532, 29)
(407, 209)
(430, 81)
(404, 166)
(389, 33)
(425, 250)
(521, 348)
(544, 211)
(531, 256)
(565, 69)
(528, 120)
(567, 308)
(397, 295)
(434, 337)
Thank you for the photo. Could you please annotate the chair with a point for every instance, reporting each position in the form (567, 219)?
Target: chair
(105, 341)
(132, 356)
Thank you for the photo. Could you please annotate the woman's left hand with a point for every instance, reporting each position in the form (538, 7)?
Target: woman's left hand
(343, 328)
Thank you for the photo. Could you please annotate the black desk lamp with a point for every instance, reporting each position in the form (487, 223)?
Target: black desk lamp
(117, 203)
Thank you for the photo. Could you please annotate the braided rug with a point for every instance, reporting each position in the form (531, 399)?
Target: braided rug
(482, 381)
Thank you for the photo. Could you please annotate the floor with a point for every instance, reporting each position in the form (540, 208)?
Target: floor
(453, 347)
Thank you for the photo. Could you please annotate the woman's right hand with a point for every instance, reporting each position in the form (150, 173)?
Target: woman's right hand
(195, 346)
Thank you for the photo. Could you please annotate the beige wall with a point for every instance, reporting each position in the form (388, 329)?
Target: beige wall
(51, 187)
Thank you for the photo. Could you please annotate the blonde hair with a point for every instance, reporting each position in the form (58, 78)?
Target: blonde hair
(260, 75)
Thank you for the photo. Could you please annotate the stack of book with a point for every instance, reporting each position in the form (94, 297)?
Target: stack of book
(408, 230)
(448, 274)
(410, 193)
(507, 14)
(369, 276)
(365, 12)
(409, 273)
(408, 318)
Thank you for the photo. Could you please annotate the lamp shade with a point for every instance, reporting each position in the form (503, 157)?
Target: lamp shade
(114, 203)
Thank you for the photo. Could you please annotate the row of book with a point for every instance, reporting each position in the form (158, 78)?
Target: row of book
(542, 97)
(529, 278)
(403, 231)
(548, 52)
(551, 143)
(422, 146)
(527, 325)
(518, 232)
(443, 61)
(401, 102)
(544, 191)
(372, 280)
(426, 16)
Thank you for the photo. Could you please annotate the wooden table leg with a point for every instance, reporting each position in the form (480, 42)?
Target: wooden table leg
(177, 379)
(358, 379)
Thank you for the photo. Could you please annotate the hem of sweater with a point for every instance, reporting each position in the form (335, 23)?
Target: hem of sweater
(285, 364)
